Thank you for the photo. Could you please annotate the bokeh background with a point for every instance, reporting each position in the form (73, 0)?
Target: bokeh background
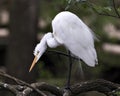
(24, 22)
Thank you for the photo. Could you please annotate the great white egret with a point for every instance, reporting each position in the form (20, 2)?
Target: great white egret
(69, 31)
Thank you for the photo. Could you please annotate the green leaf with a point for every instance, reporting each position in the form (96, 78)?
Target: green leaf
(117, 93)
(107, 8)
(118, 9)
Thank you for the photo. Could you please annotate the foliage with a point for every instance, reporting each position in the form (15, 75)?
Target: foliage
(44, 73)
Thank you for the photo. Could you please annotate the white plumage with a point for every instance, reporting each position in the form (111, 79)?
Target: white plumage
(70, 31)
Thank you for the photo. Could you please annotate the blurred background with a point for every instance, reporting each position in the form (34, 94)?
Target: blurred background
(24, 22)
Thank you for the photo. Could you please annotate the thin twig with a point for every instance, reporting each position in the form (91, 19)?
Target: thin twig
(116, 11)
(104, 14)
(61, 53)
(68, 5)
(108, 15)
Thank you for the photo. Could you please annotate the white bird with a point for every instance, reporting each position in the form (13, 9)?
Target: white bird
(69, 31)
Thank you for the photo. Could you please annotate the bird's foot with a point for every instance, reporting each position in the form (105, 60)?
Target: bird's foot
(68, 89)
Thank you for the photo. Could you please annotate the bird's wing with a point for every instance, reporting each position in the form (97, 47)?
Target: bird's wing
(76, 36)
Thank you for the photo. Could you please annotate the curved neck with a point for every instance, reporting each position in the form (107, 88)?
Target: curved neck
(43, 42)
(51, 41)
(47, 39)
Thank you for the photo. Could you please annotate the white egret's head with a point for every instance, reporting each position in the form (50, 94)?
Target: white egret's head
(47, 40)
(40, 49)
(38, 52)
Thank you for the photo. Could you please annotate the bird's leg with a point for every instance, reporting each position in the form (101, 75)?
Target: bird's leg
(69, 71)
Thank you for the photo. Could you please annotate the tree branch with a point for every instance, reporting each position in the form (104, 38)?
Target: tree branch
(45, 87)
(99, 85)
(103, 86)
(9, 87)
(20, 82)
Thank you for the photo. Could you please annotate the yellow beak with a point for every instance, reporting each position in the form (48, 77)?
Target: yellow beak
(33, 63)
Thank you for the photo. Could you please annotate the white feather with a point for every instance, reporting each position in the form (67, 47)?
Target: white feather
(70, 31)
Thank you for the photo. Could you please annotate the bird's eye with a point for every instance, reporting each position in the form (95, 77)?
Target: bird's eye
(37, 52)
